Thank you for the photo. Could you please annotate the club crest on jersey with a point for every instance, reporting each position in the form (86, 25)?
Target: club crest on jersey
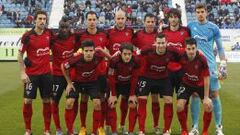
(126, 33)
(47, 38)
(181, 33)
(101, 39)
(167, 59)
(196, 67)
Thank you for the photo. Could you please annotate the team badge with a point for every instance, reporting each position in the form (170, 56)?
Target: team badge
(196, 67)
(126, 33)
(101, 39)
(181, 33)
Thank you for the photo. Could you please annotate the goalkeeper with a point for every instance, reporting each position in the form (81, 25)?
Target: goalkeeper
(205, 34)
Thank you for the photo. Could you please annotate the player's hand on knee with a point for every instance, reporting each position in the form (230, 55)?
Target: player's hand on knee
(69, 88)
(24, 77)
(132, 101)
(112, 101)
(207, 102)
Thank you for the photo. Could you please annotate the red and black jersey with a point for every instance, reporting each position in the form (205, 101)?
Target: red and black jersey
(155, 65)
(85, 71)
(99, 39)
(38, 51)
(195, 70)
(62, 49)
(176, 38)
(116, 37)
(123, 73)
(142, 38)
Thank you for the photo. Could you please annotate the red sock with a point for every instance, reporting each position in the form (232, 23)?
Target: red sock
(47, 115)
(207, 117)
(69, 114)
(75, 109)
(97, 118)
(55, 113)
(155, 113)
(168, 116)
(132, 117)
(142, 113)
(112, 119)
(83, 113)
(27, 115)
(104, 111)
(183, 120)
(124, 110)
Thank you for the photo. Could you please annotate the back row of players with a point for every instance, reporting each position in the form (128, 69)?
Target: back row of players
(136, 64)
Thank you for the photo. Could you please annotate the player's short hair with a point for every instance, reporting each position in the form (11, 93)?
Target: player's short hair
(200, 5)
(191, 41)
(87, 43)
(40, 12)
(91, 13)
(160, 35)
(150, 15)
(127, 46)
(174, 11)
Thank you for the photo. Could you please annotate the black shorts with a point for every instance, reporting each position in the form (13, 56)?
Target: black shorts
(91, 89)
(185, 91)
(175, 79)
(43, 82)
(59, 85)
(102, 80)
(155, 86)
(123, 89)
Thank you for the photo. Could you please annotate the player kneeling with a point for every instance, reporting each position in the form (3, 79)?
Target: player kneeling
(194, 80)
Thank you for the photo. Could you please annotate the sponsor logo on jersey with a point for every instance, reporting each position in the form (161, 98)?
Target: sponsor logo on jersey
(178, 44)
(67, 54)
(87, 74)
(43, 51)
(157, 68)
(192, 77)
(116, 46)
(124, 78)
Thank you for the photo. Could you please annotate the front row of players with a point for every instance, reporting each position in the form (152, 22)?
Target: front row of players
(135, 76)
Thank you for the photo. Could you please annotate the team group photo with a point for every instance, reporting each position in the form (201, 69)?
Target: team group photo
(119, 67)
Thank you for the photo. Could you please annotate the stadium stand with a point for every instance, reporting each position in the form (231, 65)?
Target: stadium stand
(224, 13)
(19, 13)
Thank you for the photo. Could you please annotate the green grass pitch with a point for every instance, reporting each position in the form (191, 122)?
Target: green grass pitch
(11, 100)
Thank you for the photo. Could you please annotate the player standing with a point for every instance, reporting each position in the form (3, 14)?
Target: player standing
(205, 34)
(36, 44)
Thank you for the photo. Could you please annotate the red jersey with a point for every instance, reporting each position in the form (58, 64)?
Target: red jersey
(99, 39)
(116, 37)
(38, 51)
(62, 49)
(195, 70)
(142, 38)
(123, 73)
(176, 38)
(85, 71)
(155, 65)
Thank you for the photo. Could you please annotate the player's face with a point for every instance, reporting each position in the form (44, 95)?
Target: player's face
(173, 20)
(149, 23)
(120, 20)
(41, 21)
(126, 55)
(161, 44)
(201, 14)
(88, 53)
(91, 21)
(64, 29)
(191, 51)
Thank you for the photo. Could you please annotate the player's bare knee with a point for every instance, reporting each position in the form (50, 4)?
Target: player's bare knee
(27, 101)
(168, 100)
(97, 104)
(69, 103)
(46, 100)
(155, 98)
(84, 98)
(180, 106)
